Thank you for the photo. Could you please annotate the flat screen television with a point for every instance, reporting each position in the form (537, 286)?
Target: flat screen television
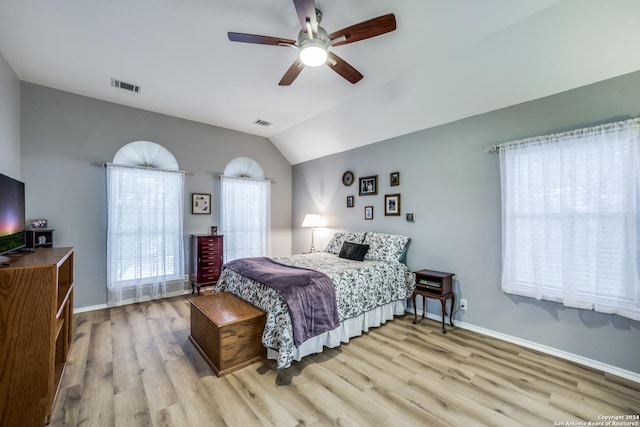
(12, 220)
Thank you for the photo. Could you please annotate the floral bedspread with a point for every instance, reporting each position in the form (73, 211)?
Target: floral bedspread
(360, 286)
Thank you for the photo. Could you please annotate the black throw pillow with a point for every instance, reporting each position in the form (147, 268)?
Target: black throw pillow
(353, 251)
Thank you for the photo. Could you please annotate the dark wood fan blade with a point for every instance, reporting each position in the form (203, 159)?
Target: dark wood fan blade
(252, 38)
(343, 68)
(292, 73)
(366, 29)
(306, 9)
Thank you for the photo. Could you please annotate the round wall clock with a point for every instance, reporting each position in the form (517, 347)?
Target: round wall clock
(347, 178)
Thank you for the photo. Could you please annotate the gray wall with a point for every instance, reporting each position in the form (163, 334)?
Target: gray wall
(9, 121)
(453, 188)
(63, 133)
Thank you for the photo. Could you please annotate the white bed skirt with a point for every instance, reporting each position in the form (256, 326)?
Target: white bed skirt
(349, 328)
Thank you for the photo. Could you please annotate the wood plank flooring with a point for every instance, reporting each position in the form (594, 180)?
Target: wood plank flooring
(134, 366)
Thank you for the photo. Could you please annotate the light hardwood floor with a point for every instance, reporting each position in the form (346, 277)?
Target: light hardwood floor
(134, 366)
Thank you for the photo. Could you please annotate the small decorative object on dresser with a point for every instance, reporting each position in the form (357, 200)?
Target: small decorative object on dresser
(434, 284)
(206, 260)
(200, 203)
(369, 185)
(37, 224)
(349, 201)
(394, 178)
(39, 238)
(392, 204)
(214, 230)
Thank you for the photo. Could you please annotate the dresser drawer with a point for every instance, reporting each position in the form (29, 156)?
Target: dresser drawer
(210, 278)
(210, 269)
(211, 254)
(209, 244)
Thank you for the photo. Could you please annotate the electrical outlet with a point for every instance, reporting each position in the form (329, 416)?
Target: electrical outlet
(186, 277)
(463, 304)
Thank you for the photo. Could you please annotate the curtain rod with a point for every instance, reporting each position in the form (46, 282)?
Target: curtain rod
(273, 181)
(495, 148)
(105, 164)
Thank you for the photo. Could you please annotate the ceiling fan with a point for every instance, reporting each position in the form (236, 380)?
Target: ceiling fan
(314, 42)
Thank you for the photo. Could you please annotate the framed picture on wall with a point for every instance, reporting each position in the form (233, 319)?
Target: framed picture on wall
(350, 201)
(368, 212)
(201, 203)
(369, 185)
(392, 204)
(394, 178)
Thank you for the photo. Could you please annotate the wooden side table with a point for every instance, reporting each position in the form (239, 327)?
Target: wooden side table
(437, 285)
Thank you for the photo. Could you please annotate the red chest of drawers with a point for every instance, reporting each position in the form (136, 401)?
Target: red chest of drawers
(206, 260)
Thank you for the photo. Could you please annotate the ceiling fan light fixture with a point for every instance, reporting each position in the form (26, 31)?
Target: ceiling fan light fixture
(313, 54)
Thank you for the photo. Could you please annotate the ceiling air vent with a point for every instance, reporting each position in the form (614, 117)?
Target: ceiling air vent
(126, 86)
(262, 122)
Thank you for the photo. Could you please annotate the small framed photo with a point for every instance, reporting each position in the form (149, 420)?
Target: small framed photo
(392, 204)
(201, 203)
(214, 230)
(368, 212)
(350, 201)
(38, 224)
(394, 179)
(369, 185)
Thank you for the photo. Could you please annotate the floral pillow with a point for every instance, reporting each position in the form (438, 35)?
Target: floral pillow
(385, 247)
(338, 239)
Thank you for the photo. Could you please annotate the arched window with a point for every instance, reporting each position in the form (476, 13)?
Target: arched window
(145, 196)
(245, 210)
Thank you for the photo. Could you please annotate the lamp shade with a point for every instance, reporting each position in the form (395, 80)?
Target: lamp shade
(312, 220)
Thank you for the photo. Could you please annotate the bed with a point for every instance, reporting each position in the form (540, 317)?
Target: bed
(371, 286)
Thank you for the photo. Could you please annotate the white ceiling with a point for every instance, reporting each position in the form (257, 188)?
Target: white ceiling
(447, 60)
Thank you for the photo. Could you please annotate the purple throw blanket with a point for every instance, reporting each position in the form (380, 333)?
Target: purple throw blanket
(310, 294)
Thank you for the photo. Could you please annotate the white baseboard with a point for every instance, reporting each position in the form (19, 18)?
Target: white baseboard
(633, 376)
(77, 310)
(89, 308)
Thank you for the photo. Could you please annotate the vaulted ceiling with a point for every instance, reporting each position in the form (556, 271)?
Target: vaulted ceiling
(447, 60)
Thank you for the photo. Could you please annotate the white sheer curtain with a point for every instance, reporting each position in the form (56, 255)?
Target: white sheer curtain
(570, 218)
(145, 249)
(245, 217)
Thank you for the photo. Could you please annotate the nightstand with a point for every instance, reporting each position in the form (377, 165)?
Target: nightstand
(437, 285)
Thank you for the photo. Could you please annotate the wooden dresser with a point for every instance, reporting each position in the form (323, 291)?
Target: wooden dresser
(206, 260)
(36, 328)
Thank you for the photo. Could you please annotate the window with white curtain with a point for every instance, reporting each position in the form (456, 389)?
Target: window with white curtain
(145, 249)
(245, 208)
(570, 218)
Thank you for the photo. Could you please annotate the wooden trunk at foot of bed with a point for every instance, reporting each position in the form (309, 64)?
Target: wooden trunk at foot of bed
(227, 331)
